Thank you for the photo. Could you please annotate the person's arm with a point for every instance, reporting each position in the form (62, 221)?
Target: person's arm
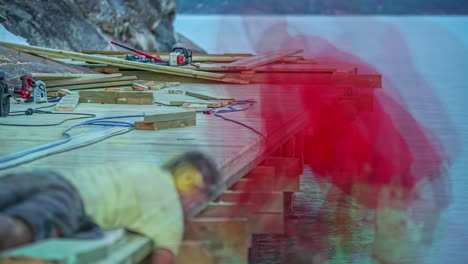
(162, 256)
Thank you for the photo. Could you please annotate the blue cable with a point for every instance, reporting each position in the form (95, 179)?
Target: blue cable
(93, 122)
(68, 137)
(63, 141)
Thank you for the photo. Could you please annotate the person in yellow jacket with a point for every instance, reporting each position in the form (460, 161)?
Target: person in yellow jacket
(149, 200)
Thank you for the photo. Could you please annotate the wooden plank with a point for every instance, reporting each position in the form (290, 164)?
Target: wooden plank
(209, 103)
(363, 81)
(105, 94)
(65, 92)
(68, 103)
(56, 83)
(252, 62)
(200, 96)
(207, 97)
(312, 68)
(174, 124)
(144, 126)
(105, 97)
(257, 202)
(120, 63)
(195, 107)
(103, 70)
(161, 125)
(168, 116)
(242, 185)
(49, 76)
(80, 63)
(139, 87)
(91, 85)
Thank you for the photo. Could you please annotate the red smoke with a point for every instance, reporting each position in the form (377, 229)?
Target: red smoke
(370, 146)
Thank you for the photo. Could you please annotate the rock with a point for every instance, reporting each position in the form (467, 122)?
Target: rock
(16, 64)
(183, 41)
(90, 24)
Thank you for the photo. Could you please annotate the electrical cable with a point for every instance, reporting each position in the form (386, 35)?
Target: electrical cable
(116, 123)
(240, 123)
(38, 110)
(104, 121)
(65, 150)
(231, 108)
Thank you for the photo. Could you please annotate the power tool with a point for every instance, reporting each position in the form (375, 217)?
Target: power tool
(31, 89)
(29, 85)
(180, 56)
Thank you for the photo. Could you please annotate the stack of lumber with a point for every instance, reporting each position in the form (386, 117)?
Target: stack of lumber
(287, 66)
(166, 120)
(283, 66)
(178, 71)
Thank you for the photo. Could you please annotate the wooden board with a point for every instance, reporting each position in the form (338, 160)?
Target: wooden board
(161, 125)
(252, 62)
(68, 103)
(209, 103)
(178, 114)
(57, 83)
(257, 202)
(59, 76)
(112, 97)
(91, 85)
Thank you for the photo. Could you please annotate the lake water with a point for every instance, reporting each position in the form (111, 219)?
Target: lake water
(424, 62)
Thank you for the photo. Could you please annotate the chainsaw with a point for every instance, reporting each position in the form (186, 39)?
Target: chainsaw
(31, 89)
(178, 56)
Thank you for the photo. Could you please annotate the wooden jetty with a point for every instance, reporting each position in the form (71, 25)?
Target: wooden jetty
(240, 153)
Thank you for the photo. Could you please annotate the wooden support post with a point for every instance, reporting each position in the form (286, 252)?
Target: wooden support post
(230, 235)
(287, 172)
(299, 148)
(194, 252)
(271, 223)
(261, 178)
(256, 202)
(241, 185)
